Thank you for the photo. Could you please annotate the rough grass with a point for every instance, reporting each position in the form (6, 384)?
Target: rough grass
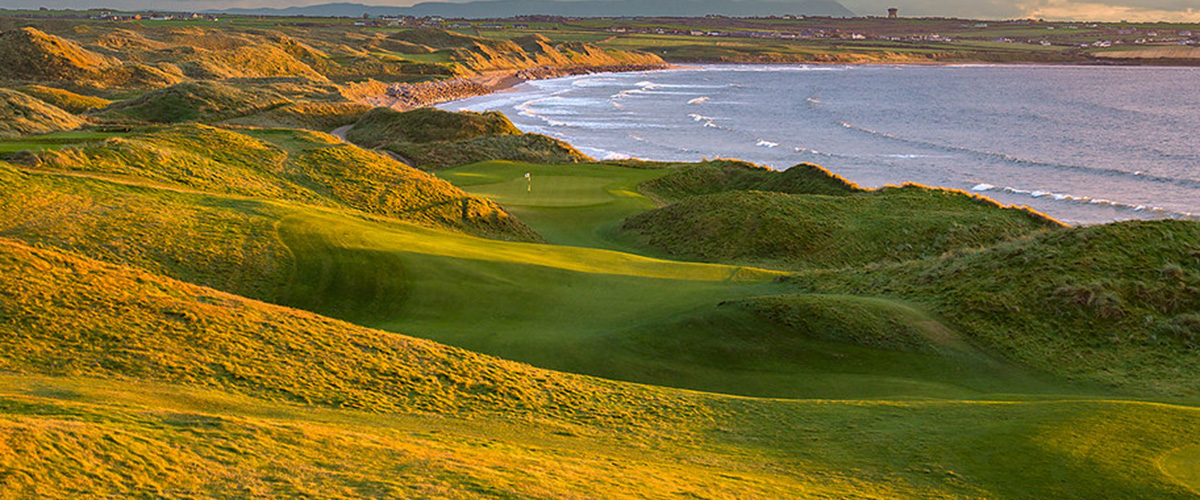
(719, 176)
(31, 54)
(199, 101)
(225, 244)
(152, 328)
(1112, 304)
(530, 51)
(526, 148)
(311, 116)
(383, 126)
(857, 320)
(433, 139)
(22, 115)
(301, 166)
(65, 99)
(807, 231)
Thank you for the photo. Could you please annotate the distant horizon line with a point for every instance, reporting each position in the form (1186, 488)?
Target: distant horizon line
(237, 11)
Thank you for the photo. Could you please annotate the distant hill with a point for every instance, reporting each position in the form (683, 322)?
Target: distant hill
(583, 8)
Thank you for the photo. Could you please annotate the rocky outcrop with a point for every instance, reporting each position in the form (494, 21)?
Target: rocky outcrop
(424, 94)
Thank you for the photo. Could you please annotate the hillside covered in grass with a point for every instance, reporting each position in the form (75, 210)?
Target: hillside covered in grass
(1114, 304)
(720, 176)
(433, 139)
(194, 392)
(529, 51)
(292, 165)
(22, 115)
(817, 230)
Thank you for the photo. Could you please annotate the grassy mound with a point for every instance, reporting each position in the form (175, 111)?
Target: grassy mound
(531, 148)
(228, 244)
(22, 115)
(858, 320)
(1113, 304)
(719, 176)
(433, 139)
(151, 328)
(383, 126)
(199, 101)
(310, 116)
(31, 54)
(806, 231)
(306, 167)
(65, 99)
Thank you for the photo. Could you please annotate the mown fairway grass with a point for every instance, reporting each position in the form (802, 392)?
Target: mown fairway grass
(55, 140)
(575, 205)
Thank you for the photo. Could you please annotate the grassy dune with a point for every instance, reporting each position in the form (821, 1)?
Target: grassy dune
(65, 99)
(577, 309)
(433, 139)
(203, 101)
(22, 115)
(294, 165)
(190, 391)
(816, 231)
(529, 51)
(1112, 304)
(720, 176)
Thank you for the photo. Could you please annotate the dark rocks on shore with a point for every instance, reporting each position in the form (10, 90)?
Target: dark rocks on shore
(424, 94)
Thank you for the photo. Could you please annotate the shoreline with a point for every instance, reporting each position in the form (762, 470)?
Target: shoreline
(490, 82)
(404, 97)
(1014, 196)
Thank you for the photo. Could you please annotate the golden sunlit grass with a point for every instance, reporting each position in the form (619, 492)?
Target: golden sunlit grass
(434, 139)
(307, 167)
(961, 349)
(805, 231)
(65, 99)
(133, 384)
(22, 115)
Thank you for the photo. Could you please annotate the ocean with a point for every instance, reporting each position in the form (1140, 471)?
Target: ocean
(1083, 144)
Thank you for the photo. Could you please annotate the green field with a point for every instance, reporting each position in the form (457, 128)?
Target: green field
(56, 140)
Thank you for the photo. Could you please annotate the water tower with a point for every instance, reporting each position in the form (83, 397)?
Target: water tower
(893, 13)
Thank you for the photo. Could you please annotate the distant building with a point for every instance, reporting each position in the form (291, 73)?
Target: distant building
(893, 13)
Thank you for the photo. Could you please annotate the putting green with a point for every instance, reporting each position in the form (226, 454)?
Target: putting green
(576, 205)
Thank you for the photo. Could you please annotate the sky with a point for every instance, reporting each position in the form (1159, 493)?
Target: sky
(1081, 10)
